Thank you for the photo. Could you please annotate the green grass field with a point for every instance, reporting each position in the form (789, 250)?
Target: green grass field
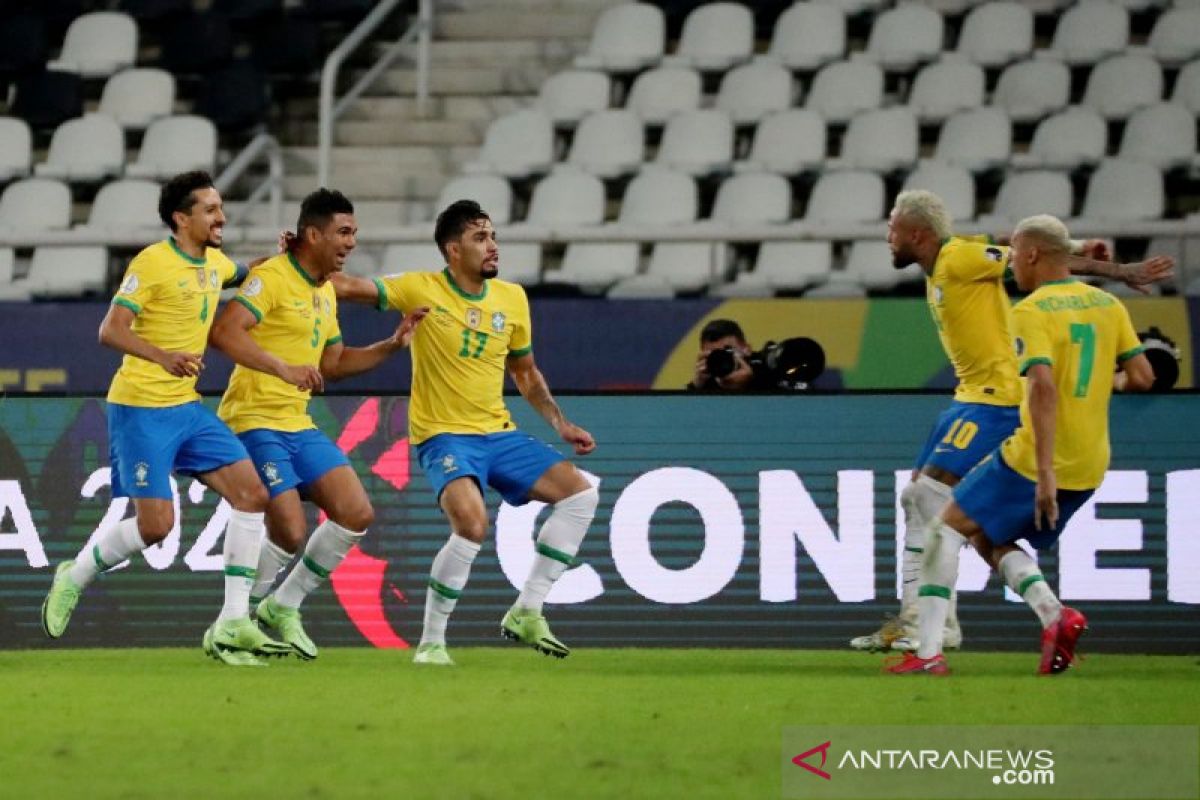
(506, 723)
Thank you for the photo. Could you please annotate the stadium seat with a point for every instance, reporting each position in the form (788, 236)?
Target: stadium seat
(567, 196)
(173, 145)
(744, 284)
(808, 36)
(68, 271)
(1024, 194)
(521, 262)
(125, 205)
(35, 204)
(641, 287)
(786, 142)
(844, 88)
(566, 97)
(1120, 85)
(608, 143)
(840, 286)
(905, 36)
(881, 140)
(1029, 90)
(47, 99)
(1126, 191)
(687, 266)
(697, 142)
(751, 91)
(180, 54)
(659, 93)
(869, 263)
(753, 198)
(1072, 138)
(595, 266)
(979, 139)
(996, 33)
(715, 37)
(1187, 88)
(16, 148)
(235, 98)
(954, 184)
(98, 44)
(137, 97)
(1089, 32)
(945, 87)
(412, 257)
(1163, 134)
(849, 7)
(627, 37)
(851, 196)
(793, 266)
(85, 150)
(1176, 36)
(492, 192)
(516, 145)
(659, 197)
(11, 288)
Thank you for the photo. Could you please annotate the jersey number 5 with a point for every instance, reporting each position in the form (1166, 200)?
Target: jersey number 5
(1084, 335)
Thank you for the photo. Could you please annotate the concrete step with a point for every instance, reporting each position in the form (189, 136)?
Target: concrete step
(504, 22)
(396, 131)
(371, 184)
(303, 160)
(491, 53)
(367, 212)
(473, 108)
(524, 78)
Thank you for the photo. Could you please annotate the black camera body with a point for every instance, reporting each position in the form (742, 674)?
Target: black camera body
(791, 364)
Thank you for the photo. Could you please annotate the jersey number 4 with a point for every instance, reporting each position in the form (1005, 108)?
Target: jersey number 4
(1084, 335)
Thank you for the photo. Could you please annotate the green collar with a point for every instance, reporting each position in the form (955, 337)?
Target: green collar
(458, 289)
(1059, 282)
(185, 256)
(303, 274)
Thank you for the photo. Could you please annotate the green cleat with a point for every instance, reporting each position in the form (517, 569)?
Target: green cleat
(243, 635)
(60, 601)
(234, 658)
(433, 653)
(286, 623)
(531, 628)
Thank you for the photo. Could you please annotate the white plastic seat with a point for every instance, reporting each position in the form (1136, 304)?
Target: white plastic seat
(516, 145)
(786, 142)
(844, 88)
(995, 33)
(128, 204)
(1023, 194)
(86, 149)
(882, 140)
(35, 204)
(1090, 31)
(568, 96)
(608, 143)
(659, 93)
(753, 198)
(744, 284)
(849, 7)
(979, 139)
(1163, 134)
(137, 97)
(904, 36)
(567, 196)
(1187, 88)
(594, 266)
(98, 44)
(869, 263)
(1072, 138)
(1029, 90)
(851, 196)
(414, 257)
(697, 142)
(808, 35)
(660, 197)
(1175, 37)
(1120, 85)
(687, 266)
(641, 287)
(715, 36)
(954, 184)
(751, 91)
(1124, 191)
(521, 262)
(173, 145)
(945, 87)
(492, 192)
(67, 271)
(11, 288)
(16, 148)
(626, 38)
(793, 266)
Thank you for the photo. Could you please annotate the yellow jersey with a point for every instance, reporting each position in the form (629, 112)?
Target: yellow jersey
(174, 299)
(459, 350)
(297, 320)
(972, 313)
(1081, 332)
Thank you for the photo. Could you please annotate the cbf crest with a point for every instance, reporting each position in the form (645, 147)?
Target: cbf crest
(214, 282)
(201, 277)
(140, 471)
(271, 473)
(498, 320)
(474, 318)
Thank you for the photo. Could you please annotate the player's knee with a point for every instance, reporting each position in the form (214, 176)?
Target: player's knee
(581, 505)
(928, 496)
(358, 518)
(473, 531)
(154, 527)
(251, 498)
(908, 499)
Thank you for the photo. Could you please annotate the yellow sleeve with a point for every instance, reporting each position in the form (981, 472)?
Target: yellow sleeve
(1129, 344)
(138, 287)
(1030, 337)
(335, 329)
(397, 292)
(260, 292)
(521, 343)
(979, 261)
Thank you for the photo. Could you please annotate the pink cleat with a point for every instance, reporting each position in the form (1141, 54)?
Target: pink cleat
(912, 664)
(1059, 640)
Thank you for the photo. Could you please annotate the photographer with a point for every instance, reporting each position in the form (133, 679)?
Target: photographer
(726, 362)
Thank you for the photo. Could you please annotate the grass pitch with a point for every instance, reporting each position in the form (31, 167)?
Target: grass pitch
(506, 723)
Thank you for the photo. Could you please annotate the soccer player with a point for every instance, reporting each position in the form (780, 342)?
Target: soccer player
(463, 433)
(160, 319)
(1068, 337)
(282, 331)
(970, 307)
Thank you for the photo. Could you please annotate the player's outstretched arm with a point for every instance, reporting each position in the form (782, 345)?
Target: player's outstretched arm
(1137, 275)
(533, 387)
(354, 289)
(339, 362)
(1043, 399)
(116, 331)
(231, 335)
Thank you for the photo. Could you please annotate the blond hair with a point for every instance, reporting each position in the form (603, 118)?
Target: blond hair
(927, 209)
(1050, 232)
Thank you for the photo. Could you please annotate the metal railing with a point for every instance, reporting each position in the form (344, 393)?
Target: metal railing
(329, 111)
(262, 145)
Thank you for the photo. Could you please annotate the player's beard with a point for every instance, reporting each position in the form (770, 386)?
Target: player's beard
(902, 258)
(488, 271)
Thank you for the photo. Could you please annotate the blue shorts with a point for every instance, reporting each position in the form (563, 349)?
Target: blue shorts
(965, 433)
(510, 461)
(289, 460)
(145, 445)
(1000, 500)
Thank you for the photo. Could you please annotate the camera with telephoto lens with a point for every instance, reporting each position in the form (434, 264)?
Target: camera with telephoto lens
(1163, 355)
(790, 364)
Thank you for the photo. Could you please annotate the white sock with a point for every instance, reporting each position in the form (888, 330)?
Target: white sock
(325, 550)
(447, 577)
(928, 498)
(117, 544)
(939, 573)
(271, 559)
(243, 538)
(1023, 577)
(557, 543)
